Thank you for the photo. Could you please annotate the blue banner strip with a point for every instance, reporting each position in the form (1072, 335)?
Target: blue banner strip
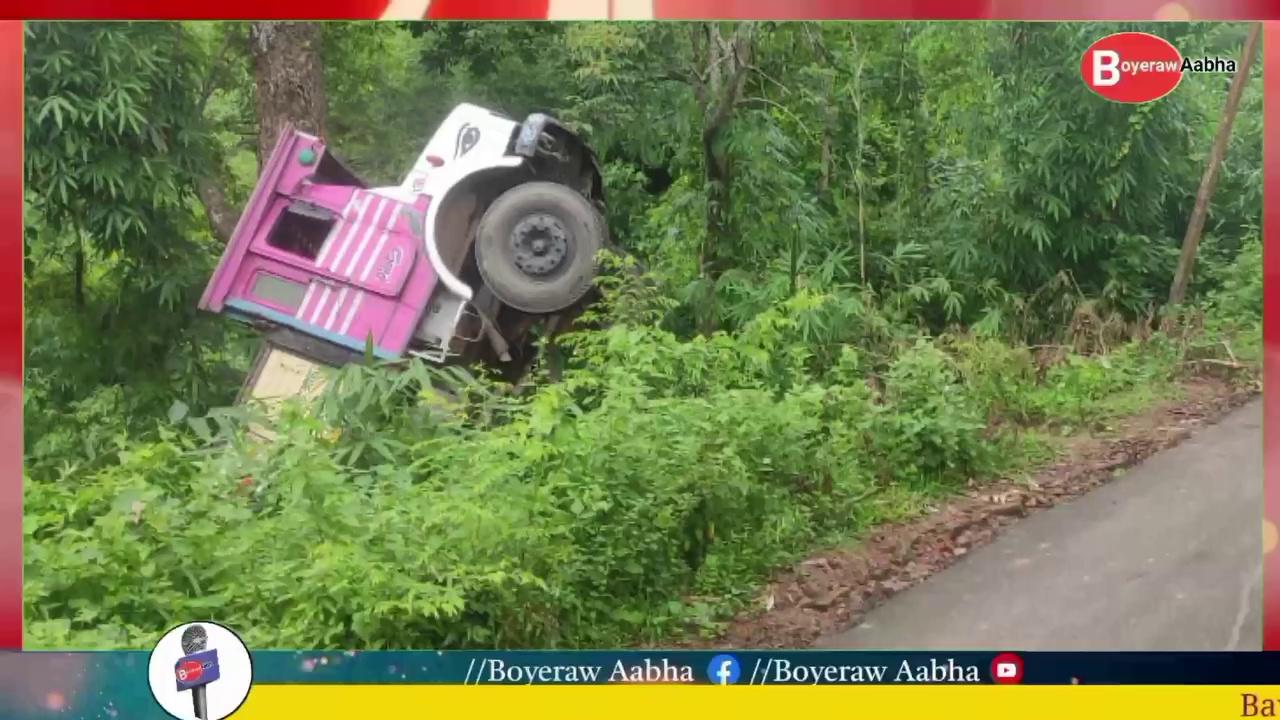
(783, 667)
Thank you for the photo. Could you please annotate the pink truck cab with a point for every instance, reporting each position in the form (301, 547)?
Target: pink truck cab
(495, 227)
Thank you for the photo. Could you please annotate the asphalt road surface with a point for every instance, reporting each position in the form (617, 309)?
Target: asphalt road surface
(1165, 557)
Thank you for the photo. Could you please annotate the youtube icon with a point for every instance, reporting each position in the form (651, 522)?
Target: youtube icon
(1006, 669)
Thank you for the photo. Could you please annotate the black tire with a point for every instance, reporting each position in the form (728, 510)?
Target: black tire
(536, 247)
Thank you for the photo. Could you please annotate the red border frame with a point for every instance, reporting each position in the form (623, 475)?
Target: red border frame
(11, 355)
(1271, 330)
(11, 138)
(661, 9)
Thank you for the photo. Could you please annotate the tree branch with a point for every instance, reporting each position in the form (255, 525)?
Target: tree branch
(757, 70)
(697, 78)
(779, 106)
(222, 219)
(215, 76)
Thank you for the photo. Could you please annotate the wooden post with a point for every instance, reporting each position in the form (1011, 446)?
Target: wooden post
(1195, 227)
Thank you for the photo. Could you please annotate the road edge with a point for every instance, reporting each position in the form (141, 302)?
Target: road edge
(831, 591)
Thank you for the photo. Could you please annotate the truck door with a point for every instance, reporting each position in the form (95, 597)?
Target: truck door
(367, 244)
(376, 251)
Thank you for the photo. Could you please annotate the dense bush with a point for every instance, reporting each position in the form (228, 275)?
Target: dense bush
(640, 493)
(1235, 307)
(929, 426)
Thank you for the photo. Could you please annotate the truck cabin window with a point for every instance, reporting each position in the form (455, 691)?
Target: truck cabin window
(284, 294)
(301, 230)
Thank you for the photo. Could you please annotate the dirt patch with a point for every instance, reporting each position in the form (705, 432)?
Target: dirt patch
(832, 591)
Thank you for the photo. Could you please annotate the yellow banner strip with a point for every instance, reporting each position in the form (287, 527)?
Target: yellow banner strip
(706, 702)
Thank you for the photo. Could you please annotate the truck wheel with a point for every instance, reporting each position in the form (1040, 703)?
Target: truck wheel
(536, 246)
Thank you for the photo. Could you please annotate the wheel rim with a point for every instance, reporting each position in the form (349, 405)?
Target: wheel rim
(539, 245)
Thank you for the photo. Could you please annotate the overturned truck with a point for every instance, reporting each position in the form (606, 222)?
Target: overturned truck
(494, 230)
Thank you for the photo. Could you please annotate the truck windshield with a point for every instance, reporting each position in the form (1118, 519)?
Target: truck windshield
(301, 230)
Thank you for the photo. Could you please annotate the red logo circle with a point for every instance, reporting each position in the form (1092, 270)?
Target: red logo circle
(1132, 67)
(1006, 669)
(190, 671)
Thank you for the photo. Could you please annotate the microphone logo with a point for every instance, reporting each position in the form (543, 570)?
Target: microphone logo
(200, 671)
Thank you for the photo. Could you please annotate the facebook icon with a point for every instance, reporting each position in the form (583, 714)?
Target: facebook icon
(723, 670)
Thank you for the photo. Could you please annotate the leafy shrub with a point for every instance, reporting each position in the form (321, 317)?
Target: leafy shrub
(576, 514)
(1087, 388)
(928, 429)
(1233, 313)
(427, 507)
(999, 376)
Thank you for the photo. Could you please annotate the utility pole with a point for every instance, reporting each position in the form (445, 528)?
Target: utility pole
(1195, 227)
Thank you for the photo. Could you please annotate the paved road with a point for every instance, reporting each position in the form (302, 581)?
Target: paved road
(1166, 557)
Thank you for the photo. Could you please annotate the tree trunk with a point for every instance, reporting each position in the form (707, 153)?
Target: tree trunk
(719, 180)
(1195, 227)
(828, 130)
(901, 196)
(719, 76)
(858, 174)
(830, 118)
(289, 80)
(289, 84)
(830, 111)
(79, 270)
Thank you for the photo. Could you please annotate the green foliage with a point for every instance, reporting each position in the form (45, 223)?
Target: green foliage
(1233, 319)
(1238, 297)
(570, 516)
(1001, 377)
(942, 247)
(930, 427)
(427, 508)
(380, 75)
(112, 136)
(117, 248)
